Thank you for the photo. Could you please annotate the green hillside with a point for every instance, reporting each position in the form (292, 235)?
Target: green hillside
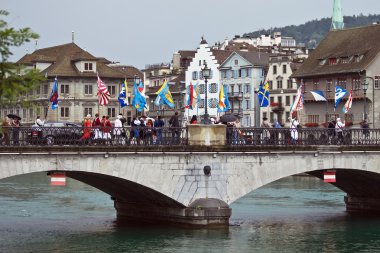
(313, 31)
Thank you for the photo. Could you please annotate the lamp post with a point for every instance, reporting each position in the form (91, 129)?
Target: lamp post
(206, 74)
(365, 88)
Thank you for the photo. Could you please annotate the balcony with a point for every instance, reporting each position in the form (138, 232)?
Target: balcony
(238, 95)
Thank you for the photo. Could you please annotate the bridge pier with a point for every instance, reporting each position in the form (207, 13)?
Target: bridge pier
(362, 204)
(202, 212)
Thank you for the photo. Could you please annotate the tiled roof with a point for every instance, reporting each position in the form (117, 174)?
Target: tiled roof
(221, 55)
(63, 58)
(256, 58)
(187, 53)
(349, 43)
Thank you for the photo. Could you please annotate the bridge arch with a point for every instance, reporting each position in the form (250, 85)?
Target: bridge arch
(174, 186)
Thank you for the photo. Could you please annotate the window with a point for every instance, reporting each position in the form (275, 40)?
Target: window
(284, 69)
(65, 112)
(247, 88)
(111, 90)
(265, 115)
(279, 99)
(377, 82)
(229, 73)
(87, 110)
(279, 84)
(271, 99)
(316, 84)
(88, 90)
(274, 69)
(31, 115)
(355, 84)
(289, 84)
(287, 100)
(348, 117)
(200, 62)
(224, 74)
(328, 85)
(200, 75)
(195, 75)
(88, 66)
(247, 104)
(212, 102)
(232, 87)
(213, 88)
(244, 73)
(333, 61)
(342, 83)
(30, 92)
(46, 89)
(65, 89)
(236, 73)
(270, 85)
(111, 112)
(249, 72)
(202, 103)
(38, 90)
(236, 62)
(201, 89)
(345, 60)
(287, 115)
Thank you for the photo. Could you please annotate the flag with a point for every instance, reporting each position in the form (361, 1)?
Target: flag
(164, 96)
(224, 104)
(58, 179)
(103, 94)
(263, 94)
(329, 177)
(339, 94)
(139, 100)
(197, 95)
(298, 101)
(190, 99)
(318, 95)
(123, 95)
(348, 104)
(54, 95)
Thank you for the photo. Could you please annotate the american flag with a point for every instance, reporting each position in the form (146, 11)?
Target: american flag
(103, 94)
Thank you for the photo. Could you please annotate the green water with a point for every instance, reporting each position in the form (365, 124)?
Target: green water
(295, 214)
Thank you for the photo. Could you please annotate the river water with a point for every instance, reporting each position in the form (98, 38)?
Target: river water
(294, 214)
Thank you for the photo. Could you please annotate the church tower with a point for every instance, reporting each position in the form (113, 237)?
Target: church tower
(337, 18)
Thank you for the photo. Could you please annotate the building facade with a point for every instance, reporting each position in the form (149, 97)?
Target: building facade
(348, 58)
(243, 72)
(76, 72)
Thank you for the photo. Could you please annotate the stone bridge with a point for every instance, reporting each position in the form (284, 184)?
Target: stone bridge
(195, 184)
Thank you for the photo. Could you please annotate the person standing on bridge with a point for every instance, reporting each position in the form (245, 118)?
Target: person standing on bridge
(293, 129)
(339, 129)
(265, 134)
(174, 124)
(96, 124)
(86, 128)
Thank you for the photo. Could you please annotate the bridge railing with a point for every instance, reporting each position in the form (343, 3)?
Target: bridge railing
(77, 136)
(302, 136)
(169, 136)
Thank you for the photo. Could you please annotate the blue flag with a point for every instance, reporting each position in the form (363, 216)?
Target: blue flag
(164, 97)
(139, 100)
(263, 95)
(54, 95)
(339, 94)
(123, 100)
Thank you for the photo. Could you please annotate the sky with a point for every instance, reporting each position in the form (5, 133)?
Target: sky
(140, 32)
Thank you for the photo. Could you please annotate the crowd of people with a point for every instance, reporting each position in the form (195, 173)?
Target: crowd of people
(146, 130)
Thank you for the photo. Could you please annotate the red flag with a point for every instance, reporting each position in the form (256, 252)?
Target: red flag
(58, 179)
(191, 97)
(103, 94)
(329, 177)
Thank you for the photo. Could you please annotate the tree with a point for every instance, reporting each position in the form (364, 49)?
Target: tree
(14, 78)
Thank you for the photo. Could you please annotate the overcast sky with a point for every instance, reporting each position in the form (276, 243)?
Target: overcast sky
(139, 32)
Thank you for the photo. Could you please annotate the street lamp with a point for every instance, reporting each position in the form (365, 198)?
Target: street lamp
(365, 88)
(206, 74)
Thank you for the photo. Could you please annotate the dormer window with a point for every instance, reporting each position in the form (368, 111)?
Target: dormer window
(322, 62)
(88, 66)
(359, 58)
(333, 61)
(345, 60)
